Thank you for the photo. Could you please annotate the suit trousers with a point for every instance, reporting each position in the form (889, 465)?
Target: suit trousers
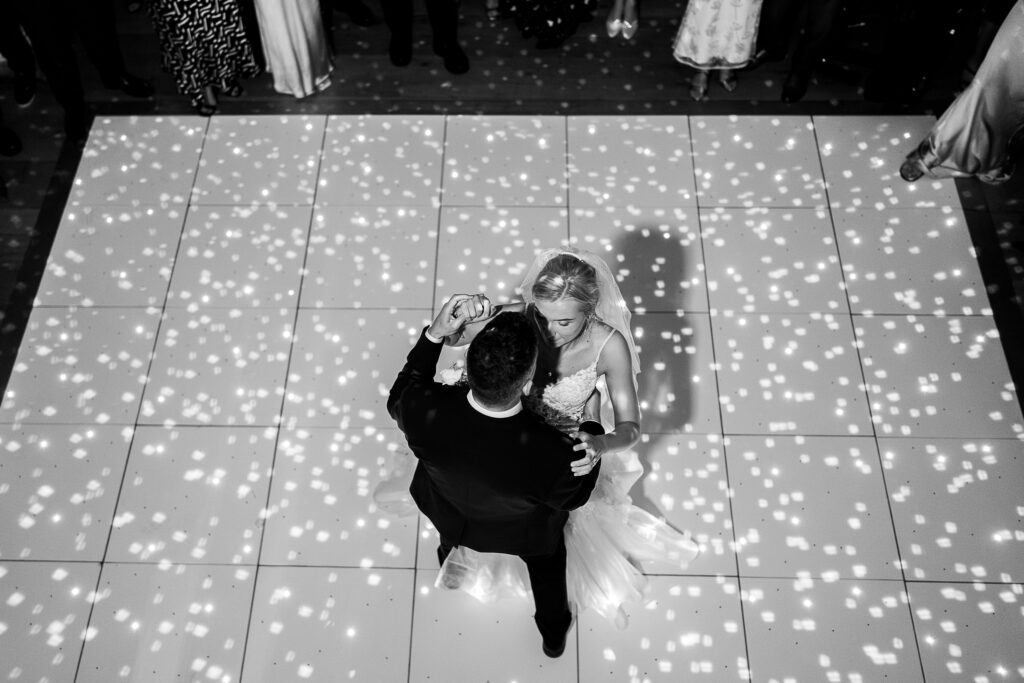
(547, 581)
(443, 16)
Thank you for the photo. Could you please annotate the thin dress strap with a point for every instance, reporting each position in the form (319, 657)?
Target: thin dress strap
(600, 350)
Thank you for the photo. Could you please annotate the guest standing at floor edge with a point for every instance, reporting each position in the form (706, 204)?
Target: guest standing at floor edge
(983, 130)
(490, 475)
(716, 35)
(444, 23)
(204, 48)
(295, 45)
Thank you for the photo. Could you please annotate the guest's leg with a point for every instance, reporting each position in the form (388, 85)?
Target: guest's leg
(50, 33)
(18, 53)
(810, 47)
(444, 23)
(550, 596)
(96, 24)
(398, 17)
(775, 30)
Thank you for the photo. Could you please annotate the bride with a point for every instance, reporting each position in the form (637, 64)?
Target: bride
(586, 354)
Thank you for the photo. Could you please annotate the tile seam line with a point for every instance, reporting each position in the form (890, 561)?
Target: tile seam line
(746, 672)
(265, 514)
(142, 396)
(858, 346)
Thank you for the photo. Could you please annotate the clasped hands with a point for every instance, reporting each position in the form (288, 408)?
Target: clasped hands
(459, 310)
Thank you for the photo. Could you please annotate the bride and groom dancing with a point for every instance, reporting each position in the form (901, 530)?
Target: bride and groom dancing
(514, 461)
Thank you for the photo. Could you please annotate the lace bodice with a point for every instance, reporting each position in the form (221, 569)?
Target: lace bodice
(561, 404)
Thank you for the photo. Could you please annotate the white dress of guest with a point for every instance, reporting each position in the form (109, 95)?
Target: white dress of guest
(717, 34)
(295, 45)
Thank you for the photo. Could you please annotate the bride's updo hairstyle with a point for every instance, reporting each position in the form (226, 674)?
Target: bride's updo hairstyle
(567, 277)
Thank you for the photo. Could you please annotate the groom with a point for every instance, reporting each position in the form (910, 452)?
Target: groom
(492, 476)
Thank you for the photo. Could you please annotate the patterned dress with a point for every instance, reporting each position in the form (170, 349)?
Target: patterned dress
(203, 44)
(606, 539)
(717, 34)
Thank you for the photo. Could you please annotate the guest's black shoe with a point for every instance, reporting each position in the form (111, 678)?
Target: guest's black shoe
(795, 87)
(130, 85)
(24, 89)
(400, 49)
(358, 12)
(455, 60)
(10, 143)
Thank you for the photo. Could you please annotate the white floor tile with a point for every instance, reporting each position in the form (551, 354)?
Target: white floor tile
(957, 507)
(505, 161)
(489, 249)
(153, 621)
(861, 156)
(938, 377)
(910, 261)
(219, 367)
(344, 364)
(677, 377)
(312, 624)
(81, 366)
(756, 161)
(321, 508)
(630, 161)
(806, 630)
(193, 494)
(789, 373)
(112, 256)
(655, 254)
(260, 160)
(46, 606)
(685, 482)
(139, 161)
(811, 507)
(371, 257)
(454, 637)
(240, 256)
(969, 632)
(58, 488)
(772, 261)
(692, 631)
(382, 161)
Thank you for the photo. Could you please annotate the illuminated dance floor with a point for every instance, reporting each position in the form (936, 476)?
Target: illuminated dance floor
(196, 419)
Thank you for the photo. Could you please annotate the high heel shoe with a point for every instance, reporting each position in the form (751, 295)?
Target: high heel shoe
(630, 21)
(727, 77)
(699, 85)
(614, 21)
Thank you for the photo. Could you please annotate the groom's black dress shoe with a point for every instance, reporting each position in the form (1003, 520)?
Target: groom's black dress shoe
(555, 650)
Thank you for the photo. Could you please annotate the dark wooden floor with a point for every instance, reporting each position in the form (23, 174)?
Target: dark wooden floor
(590, 74)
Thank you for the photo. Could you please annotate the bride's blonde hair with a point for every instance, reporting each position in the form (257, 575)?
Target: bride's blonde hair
(566, 276)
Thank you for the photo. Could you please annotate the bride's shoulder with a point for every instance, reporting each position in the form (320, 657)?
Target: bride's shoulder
(611, 345)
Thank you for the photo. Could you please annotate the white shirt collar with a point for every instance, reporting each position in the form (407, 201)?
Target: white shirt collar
(509, 412)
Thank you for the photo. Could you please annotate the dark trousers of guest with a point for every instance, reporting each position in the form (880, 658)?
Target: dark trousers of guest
(13, 45)
(443, 16)
(52, 25)
(547, 581)
(779, 20)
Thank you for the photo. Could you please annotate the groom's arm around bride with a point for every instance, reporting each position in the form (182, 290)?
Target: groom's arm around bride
(491, 476)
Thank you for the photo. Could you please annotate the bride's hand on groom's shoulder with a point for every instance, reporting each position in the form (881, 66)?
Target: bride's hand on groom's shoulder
(458, 311)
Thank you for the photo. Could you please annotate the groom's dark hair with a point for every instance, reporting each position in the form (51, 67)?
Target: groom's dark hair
(500, 358)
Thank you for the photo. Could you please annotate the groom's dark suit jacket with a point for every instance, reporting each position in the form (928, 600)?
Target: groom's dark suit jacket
(492, 484)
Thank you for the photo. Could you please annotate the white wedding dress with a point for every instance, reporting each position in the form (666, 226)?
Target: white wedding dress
(606, 539)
